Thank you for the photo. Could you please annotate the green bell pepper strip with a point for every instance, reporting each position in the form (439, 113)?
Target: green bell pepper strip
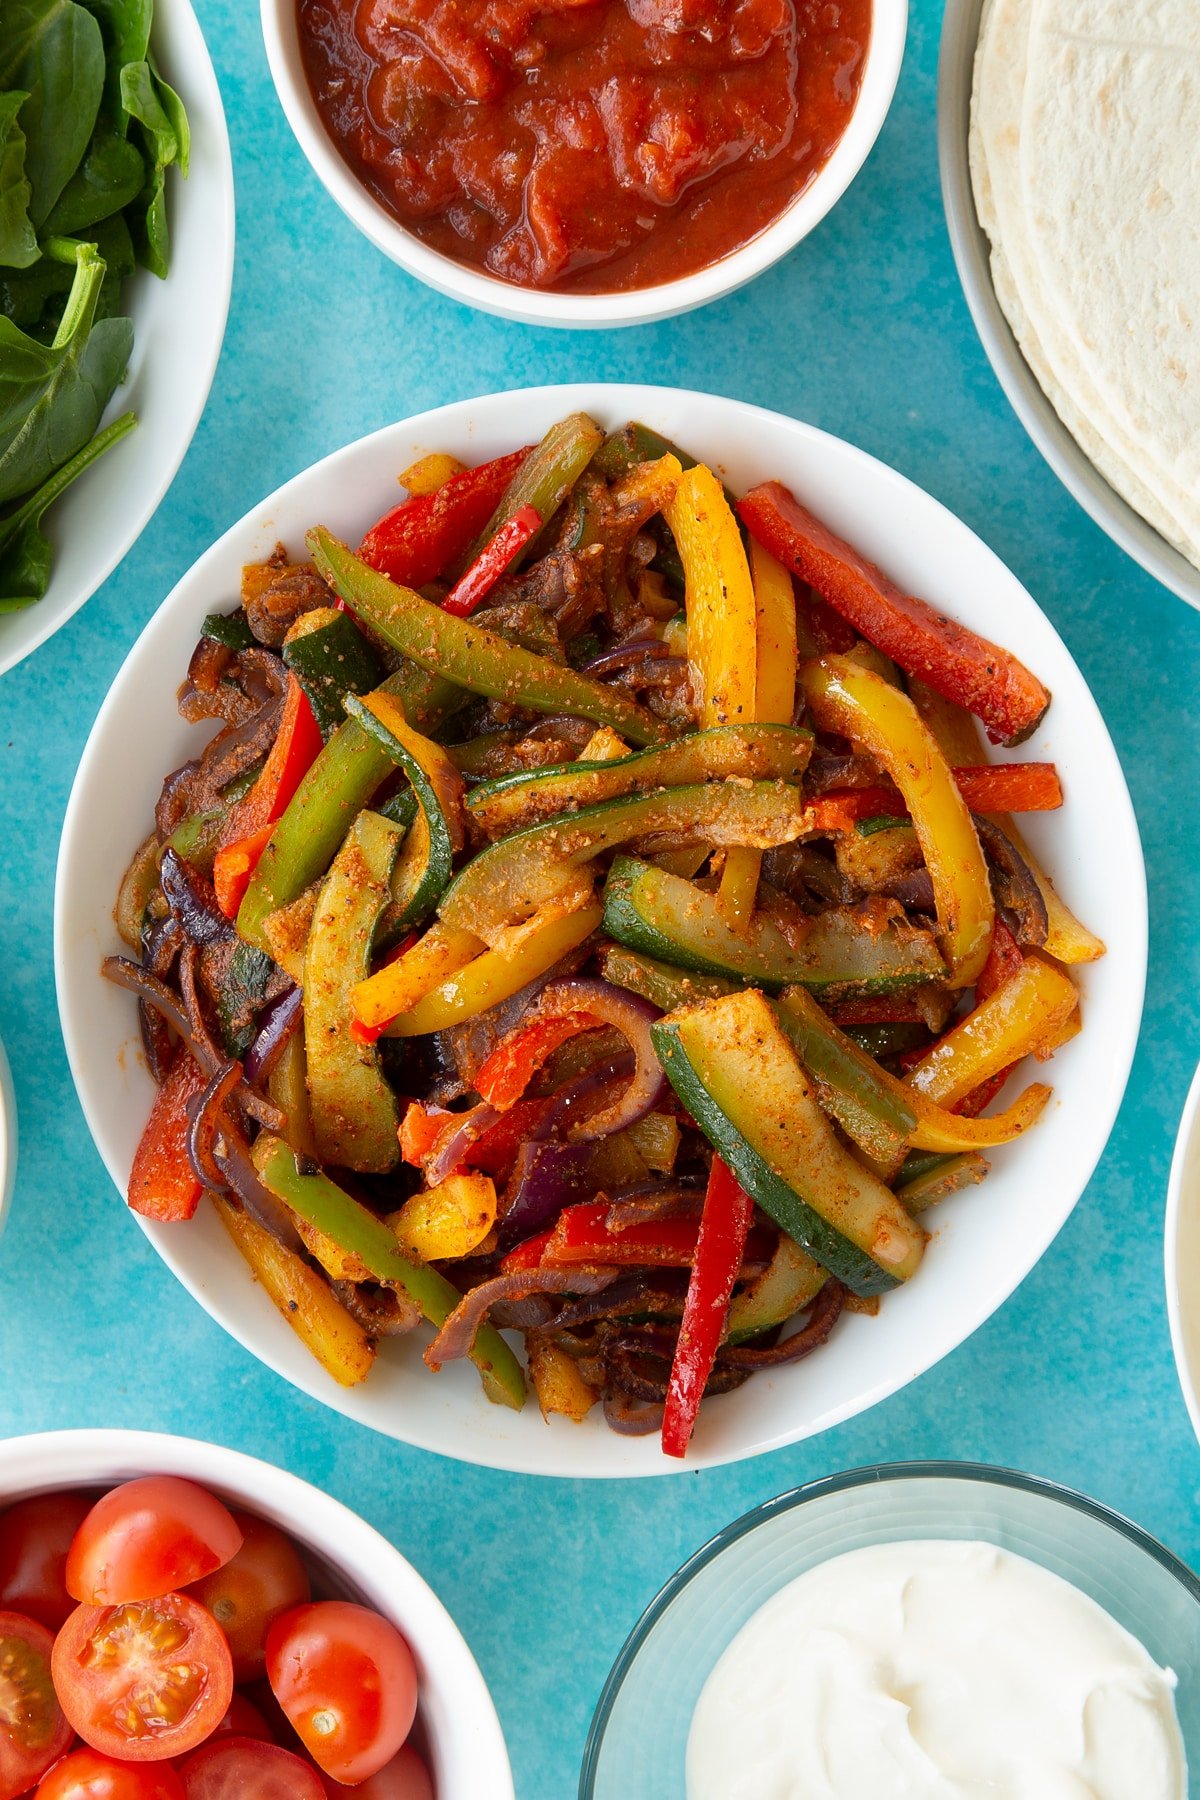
(341, 781)
(334, 1213)
(950, 1174)
(469, 655)
(510, 879)
(850, 1087)
(230, 629)
(544, 480)
(422, 871)
(665, 987)
(355, 1121)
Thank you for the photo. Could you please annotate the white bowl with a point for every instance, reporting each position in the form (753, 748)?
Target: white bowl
(1114, 515)
(8, 1137)
(1182, 1248)
(456, 1718)
(178, 326)
(532, 306)
(987, 1240)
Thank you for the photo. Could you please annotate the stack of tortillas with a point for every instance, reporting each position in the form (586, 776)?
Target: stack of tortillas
(1085, 161)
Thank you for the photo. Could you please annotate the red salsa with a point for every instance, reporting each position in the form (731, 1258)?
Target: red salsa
(585, 145)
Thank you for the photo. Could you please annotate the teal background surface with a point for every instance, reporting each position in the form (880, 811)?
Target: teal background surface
(864, 332)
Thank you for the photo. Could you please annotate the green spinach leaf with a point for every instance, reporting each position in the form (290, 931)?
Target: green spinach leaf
(18, 239)
(33, 298)
(25, 552)
(163, 124)
(111, 174)
(53, 50)
(52, 396)
(125, 28)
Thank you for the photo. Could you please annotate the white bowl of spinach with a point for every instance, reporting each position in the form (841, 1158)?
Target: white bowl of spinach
(116, 254)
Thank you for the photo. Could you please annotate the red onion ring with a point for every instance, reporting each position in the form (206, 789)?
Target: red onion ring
(456, 1338)
(276, 1025)
(823, 1315)
(453, 1153)
(205, 1113)
(632, 1017)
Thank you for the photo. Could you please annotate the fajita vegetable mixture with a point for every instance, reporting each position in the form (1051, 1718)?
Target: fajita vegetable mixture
(594, 917)
(88, 130)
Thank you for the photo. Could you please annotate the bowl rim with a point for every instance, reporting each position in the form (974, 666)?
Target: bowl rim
(535, 306)
(46, 1457)
(1079, 475)
(435, 426)
(1187, 1136)
(845, 1481)
(9, 1138)
(203, 96)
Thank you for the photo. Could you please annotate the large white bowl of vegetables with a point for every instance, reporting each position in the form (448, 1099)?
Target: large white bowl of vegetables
(116, 261)
(828, 1015)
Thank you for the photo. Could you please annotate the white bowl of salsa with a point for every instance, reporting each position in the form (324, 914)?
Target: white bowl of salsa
(596, 165)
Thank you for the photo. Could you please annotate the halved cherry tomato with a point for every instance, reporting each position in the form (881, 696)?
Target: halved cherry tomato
(86, 1775)
(35, 1536)
(34, 1731)
(244, 1720)
(404, 1778)
(235, 1768)
(149, 1537)
(144, 1681)
(246, 1596)
(345, 1678)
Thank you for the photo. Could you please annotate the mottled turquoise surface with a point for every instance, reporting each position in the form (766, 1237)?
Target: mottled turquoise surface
(862, 331)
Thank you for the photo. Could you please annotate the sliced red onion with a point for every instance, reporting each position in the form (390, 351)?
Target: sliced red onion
(578, 1100)
(823, 1316)
(382, 1312)
(276, 1025)
(546, 1177)
(632, 1418)
(235, 1162)
(457, 1336)
(453, 1153)
(207, 1123)
(619, 656)
(632, 1017)
(193, 901)
(655, 1200)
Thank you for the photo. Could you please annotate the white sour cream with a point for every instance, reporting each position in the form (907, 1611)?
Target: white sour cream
(935, 1671)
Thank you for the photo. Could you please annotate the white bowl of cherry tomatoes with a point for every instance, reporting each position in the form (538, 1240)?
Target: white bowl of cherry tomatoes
(181, 1622)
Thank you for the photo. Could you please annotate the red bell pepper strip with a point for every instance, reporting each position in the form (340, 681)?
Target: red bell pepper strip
(297, 745)
(992, 788)
(946, 656)
(498, 554)
(420, 538)
(583, 1235)
(512, 1065)
(162, 1182)
(879, 1009)
(423, 1132)
(828, 630)
(724, 1227)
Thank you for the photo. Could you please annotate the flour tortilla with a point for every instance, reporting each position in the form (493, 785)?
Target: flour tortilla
(1064, 113)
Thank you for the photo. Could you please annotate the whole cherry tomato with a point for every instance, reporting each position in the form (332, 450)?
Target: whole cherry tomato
(86, 1775)
(35, 1536)
(144, 1681)
(234, 1768)
(244, 1720)
(345, 1678)
(404, 1778)
(33, 1729)
(147, 1538)
(246, 1595)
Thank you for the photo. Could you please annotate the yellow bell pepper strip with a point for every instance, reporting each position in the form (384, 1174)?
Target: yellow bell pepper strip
(1023, 1013)
(724, 1226)
(397, 987)
(303, 1297)
(490, 978)
(468, 655)
(739, 752)
(557, 1382)
(352, 1107)
(510, 879)
(447, 1221)
(340, 1217)
(722, 635)
(431, 472)
(858, 705)
(340, 782)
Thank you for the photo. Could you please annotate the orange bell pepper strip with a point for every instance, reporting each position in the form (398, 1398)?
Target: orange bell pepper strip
(162, 1182)
(720, 1247)
(990, 788)
(953, 660)
(420, 538)
(852, 702)
(297, 745)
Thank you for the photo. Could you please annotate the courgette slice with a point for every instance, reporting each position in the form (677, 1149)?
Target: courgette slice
(665, 987)
(509, 880)
(736, 1073)
(353, 1110)
(330, 658)
(422, 870)
(742, 752)
(230, 629)
(790, 1282)
(845, 953)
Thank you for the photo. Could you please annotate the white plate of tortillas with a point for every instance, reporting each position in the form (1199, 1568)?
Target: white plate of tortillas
(1069, 136)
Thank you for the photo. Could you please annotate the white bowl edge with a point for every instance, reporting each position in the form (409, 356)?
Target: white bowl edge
(1181, 1253)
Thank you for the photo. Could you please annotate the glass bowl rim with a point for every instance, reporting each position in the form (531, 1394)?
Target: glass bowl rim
(867, 1475)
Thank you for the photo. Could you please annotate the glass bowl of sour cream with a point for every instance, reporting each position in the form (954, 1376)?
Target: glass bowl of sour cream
(911, 1629)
